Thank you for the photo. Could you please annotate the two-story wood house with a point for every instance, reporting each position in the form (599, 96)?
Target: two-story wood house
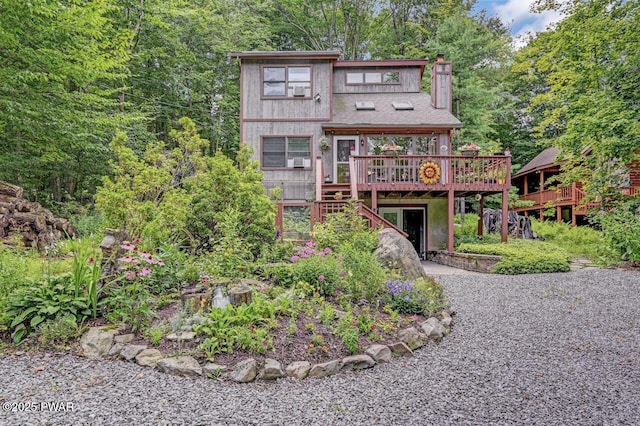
(322, 127)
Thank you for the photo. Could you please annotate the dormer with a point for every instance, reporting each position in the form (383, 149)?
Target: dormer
(394, 76)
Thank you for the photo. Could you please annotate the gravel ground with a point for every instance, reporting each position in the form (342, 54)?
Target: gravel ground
(540, 349)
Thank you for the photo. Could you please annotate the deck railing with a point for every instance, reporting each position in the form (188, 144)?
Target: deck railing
(456, 172)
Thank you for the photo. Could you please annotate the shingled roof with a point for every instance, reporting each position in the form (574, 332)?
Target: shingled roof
(541, 161)
(423, 114)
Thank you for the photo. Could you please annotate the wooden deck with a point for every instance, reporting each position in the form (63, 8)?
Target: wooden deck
(566, 196)
(479, 174)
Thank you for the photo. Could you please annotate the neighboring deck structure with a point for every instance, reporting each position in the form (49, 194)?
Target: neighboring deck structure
(536, 183)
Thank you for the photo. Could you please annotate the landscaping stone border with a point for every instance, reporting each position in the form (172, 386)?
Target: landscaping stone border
(467, 261)
(106, 341)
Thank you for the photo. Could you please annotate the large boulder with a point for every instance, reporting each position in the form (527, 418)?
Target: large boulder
(395, 251)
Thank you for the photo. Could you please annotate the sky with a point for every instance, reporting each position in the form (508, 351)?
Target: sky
(517, 14)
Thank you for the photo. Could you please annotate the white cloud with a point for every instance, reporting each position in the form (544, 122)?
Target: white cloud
(523, 22)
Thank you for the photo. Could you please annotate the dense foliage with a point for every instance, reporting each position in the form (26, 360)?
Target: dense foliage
(177, 194)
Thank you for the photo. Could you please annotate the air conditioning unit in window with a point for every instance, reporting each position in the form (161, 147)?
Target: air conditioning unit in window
(299, 91)
(298, 162)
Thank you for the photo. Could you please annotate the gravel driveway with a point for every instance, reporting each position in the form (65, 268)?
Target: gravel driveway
(540, 349)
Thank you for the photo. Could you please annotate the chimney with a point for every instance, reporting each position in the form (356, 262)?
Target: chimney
(441, 84)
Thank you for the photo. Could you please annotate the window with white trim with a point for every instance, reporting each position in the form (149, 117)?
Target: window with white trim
(286, 152)
(286, 81)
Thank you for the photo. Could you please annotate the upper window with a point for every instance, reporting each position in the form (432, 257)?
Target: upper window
(286, 151)
(373, 77)
(286, 81)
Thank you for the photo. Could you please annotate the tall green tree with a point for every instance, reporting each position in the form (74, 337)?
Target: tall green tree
(180, 62)
(59, 63)
(479, 49)
(584, 83)
(342, 25)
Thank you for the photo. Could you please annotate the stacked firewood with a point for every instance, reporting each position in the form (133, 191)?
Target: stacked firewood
(28, 223)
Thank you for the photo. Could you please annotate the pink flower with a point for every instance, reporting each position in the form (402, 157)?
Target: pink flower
(130, 275)
(144, 272)
(327, 250)
(294, 258)
(91, 260)
(321, 278)
(343, 273)
(127, 245)
(311, 244)
(136, 241)
(160, 262)
(126, 259)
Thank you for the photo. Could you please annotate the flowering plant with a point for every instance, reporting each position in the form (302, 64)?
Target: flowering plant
(320, 268)
(469, 147)
(137, 264)
(391, 147)
(404, 297)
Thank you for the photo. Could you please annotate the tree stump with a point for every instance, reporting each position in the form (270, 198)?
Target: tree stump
(240, 295)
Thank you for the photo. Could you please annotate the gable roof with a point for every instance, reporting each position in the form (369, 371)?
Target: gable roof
(423, 114)
(543, 160)
(273, 54)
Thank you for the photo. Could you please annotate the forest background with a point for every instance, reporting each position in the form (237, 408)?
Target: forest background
(74, 73)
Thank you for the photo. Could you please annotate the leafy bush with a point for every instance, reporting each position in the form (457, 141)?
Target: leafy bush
(577, 240)
(181, 196)
(621, 227)
(523, 256)
(320, 268)
(364, 277)
(340, 227)
(243, 327)
(32, 305)
(60, 330)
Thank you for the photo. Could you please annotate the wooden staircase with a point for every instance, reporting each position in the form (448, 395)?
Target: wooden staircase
(328, 202)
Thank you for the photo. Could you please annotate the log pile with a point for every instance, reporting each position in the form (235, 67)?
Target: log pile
(28, 223)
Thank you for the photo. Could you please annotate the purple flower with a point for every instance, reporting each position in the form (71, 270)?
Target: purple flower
(294, 258)
(343, 273)
(126, 245)
(327, 250)
(144, 272)
(310, 244)
(406, 298)
(321, 278)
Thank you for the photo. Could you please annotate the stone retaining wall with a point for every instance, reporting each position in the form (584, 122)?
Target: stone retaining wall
(468, 261)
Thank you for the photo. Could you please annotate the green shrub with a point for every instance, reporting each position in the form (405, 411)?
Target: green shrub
(320, 268)
(181, 196)
(523, 256)
(60, 330)
(577, 240)
(347, 225)
(243, 327)
(621, 227)
(364, 277)
(32, 305)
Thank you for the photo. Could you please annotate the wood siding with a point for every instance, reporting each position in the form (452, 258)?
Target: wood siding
(409, 81)
(256, 108)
